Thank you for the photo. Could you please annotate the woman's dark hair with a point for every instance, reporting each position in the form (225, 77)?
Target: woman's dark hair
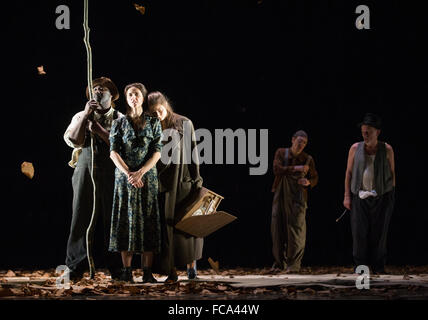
(138, 123)
(156, 98)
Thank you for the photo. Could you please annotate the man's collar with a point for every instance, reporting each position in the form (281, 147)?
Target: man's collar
(107, 114)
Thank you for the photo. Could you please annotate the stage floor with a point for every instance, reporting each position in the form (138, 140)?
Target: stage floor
(316, 283)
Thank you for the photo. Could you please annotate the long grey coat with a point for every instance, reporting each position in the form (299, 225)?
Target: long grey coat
(177, 180)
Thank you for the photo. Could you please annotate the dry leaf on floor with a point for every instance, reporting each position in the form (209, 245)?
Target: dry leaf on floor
(142, 9)
(6, 292)
(27, 169)
(214, 265)
(309, 291)
(259, 290)
(133, 289)
(10, 273)
(205, 292)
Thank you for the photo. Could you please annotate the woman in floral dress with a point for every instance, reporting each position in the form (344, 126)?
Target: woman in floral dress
(135, 148)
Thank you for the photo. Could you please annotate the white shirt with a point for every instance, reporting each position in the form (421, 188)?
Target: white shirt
(77, 149)
(368, 179)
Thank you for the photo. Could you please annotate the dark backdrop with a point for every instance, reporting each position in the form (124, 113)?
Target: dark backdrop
(277, 65)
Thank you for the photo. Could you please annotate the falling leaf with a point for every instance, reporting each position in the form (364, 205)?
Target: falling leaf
(142, 9)
(27, 169)
(40, 70)
(214, 265)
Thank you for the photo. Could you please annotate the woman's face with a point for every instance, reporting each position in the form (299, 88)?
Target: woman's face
(134, 97)
(160, 112)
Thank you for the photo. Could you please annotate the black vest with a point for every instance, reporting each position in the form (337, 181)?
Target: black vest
(383, 180)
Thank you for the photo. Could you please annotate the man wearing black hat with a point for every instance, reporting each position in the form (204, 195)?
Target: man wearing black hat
(96, 118)
(369, 194)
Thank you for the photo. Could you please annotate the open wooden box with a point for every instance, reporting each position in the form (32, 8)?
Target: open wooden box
(198, 215)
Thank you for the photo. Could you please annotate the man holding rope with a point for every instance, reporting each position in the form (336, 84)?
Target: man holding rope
(95, 119)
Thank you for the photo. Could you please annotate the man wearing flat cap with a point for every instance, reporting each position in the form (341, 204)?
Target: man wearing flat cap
(370, 194)
(295, 173)
(96, 118)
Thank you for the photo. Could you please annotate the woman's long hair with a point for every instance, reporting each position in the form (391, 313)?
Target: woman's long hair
(156, 98)
(137, 123)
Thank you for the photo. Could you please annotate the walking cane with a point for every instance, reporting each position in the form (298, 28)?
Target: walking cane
(90, 231)
(337, 220)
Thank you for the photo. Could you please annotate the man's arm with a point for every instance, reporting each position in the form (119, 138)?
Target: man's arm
(390, 157)
(313, 174)
(278, 168)
(348, 176)
(77, 130)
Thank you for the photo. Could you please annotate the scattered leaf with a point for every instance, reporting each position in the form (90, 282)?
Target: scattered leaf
(27, 169)
(6, 292)
(309, 291)
(259, 290)
(142, 9)
(10, 273)
(214, 265)
(205, 292)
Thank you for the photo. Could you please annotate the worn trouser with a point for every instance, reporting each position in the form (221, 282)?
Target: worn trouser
(288, 225)
(370, 219)
(82, 212)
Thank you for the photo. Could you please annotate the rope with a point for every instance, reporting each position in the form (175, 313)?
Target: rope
(89, 231)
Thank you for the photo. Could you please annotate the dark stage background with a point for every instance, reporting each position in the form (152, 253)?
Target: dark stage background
(279, 65)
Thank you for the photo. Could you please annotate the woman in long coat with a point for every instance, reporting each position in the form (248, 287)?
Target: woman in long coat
(135, 147)
(178, 179)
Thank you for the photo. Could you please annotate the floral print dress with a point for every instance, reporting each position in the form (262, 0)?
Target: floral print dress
(135, 223)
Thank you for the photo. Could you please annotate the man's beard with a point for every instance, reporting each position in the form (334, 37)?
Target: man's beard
(103, 99)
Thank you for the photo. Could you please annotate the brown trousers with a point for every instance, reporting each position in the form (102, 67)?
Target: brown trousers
(288, 226)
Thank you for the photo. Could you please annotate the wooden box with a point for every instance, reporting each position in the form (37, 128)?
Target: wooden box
(198, 215)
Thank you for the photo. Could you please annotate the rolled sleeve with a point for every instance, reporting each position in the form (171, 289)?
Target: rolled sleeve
(71, 126)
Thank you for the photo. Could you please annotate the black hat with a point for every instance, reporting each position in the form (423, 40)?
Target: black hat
(372, 120)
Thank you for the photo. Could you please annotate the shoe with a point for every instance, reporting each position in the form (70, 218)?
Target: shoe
(148, 276)
(276, 266)
(126, 275)
(115, 273)
(291, 270)
(379, 272)
(75, 275)
(191, 274)
(172, 277)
